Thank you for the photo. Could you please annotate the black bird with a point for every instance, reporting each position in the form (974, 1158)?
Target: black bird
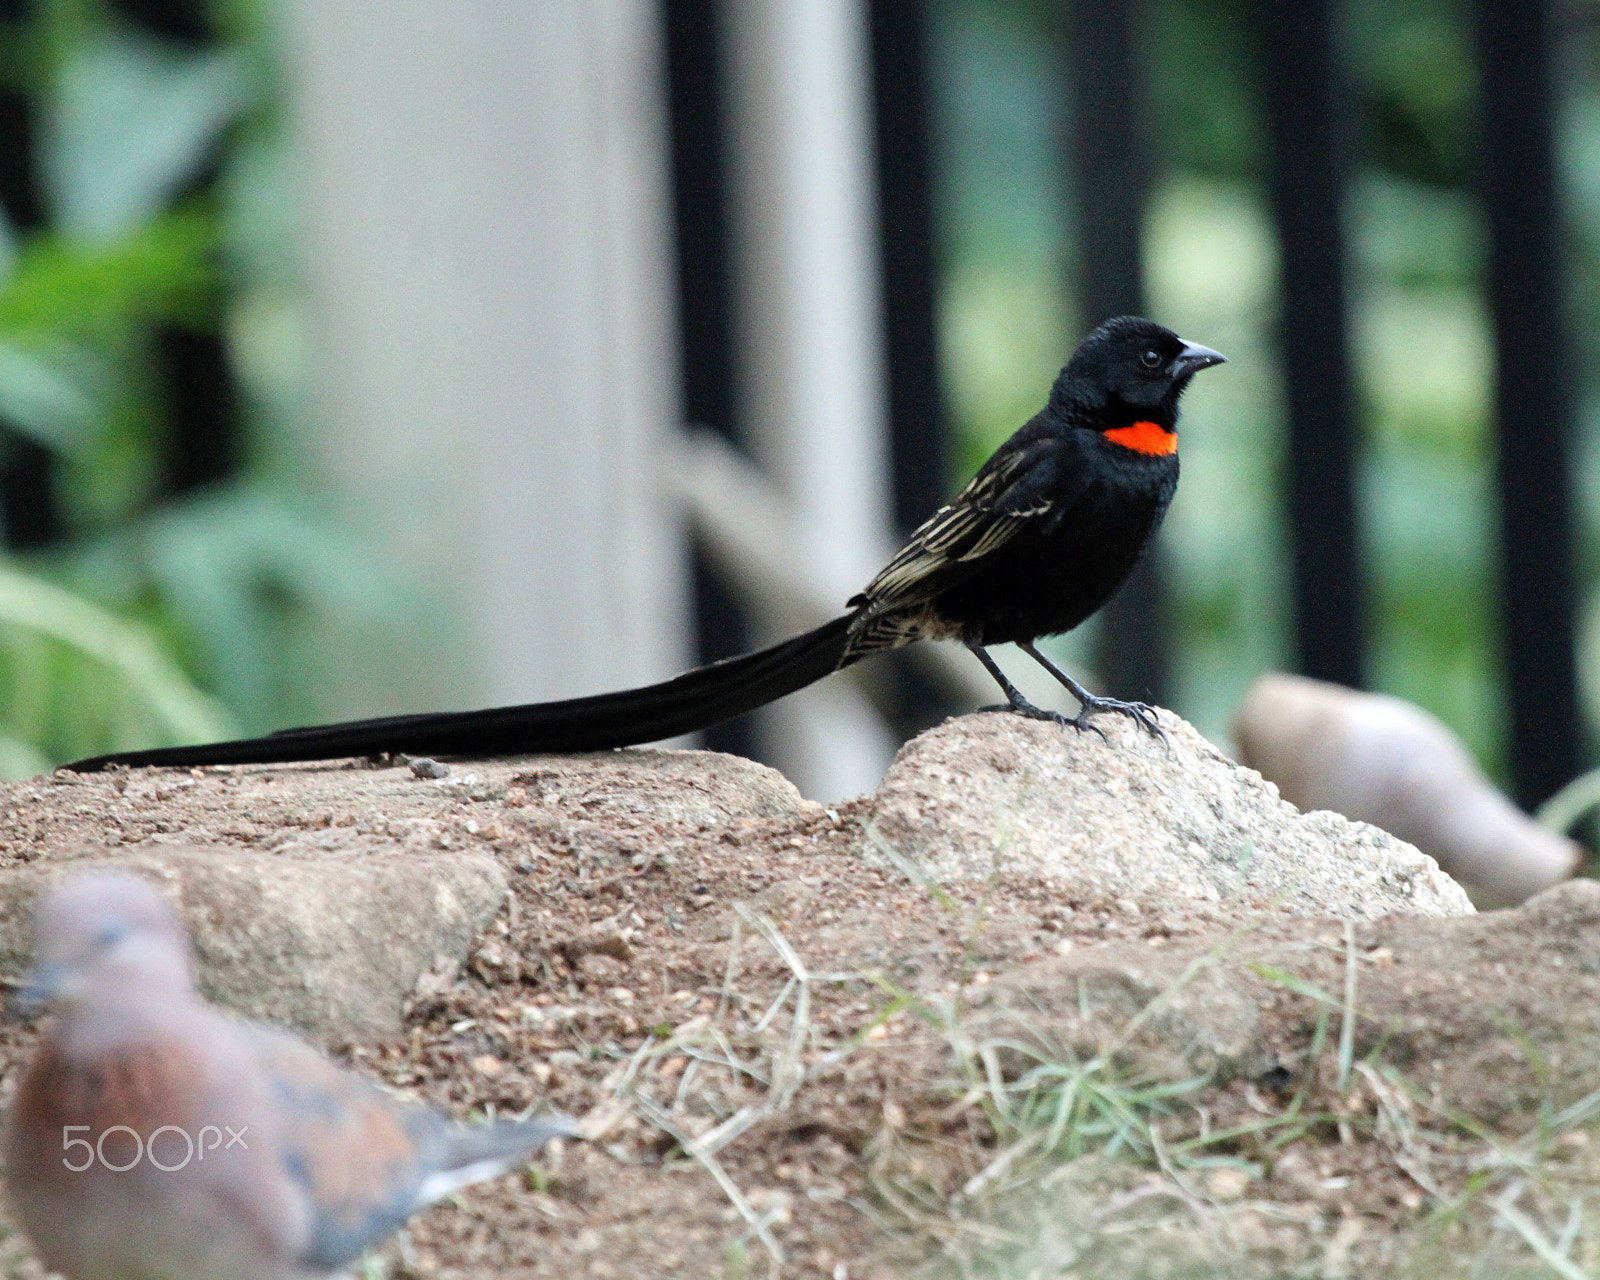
(1043, 535)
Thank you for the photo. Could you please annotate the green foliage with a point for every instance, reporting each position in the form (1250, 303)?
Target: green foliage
(1202, 88)
(252, 594)
(76, 679)
(249, 590)
(61, 289)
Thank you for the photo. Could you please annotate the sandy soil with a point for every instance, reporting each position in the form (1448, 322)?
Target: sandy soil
(662, 969)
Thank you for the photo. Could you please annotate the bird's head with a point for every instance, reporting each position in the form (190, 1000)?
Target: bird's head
(1134, 361)
(100, 933)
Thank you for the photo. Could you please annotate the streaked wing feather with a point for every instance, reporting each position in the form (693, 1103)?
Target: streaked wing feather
(996, 505)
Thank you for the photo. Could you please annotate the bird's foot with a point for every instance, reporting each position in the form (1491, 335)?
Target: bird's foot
(1022, 707)
(1141, 713)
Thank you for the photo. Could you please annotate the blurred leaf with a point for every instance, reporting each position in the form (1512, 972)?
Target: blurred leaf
(262, 201)
(1418, 81)
(1209, 252)
(1435, 393)
(1004, 338)
(8, 246)
(1408, 235)
(116, 472)
(163, 271)
(56, 647)
(54, 400)
(999, 105)
(243, 566)
(20, 759)
(1203, 92)
(76, 369)
(242, 576)
(131, 122)
(1569, 806)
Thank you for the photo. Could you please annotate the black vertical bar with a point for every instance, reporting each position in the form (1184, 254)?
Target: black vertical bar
(1533, 400)
(1309, 118)
(919, 457)
(1111, 167)
(30, 515)
(908, 260)
(203, 445)
(705, 332)
(20, 195)
(699, 187)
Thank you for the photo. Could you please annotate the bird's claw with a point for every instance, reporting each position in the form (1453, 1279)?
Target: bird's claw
(1141, 713)
(1080, 722)
(1023, 707)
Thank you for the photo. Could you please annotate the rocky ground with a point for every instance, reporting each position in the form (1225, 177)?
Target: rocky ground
(1041, 1006)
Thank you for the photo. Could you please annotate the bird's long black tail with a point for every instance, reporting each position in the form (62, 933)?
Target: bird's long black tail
(695, 700)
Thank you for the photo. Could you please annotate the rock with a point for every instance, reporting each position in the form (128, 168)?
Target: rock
(317, 896)
(1135, 822)
(1499, 1014)
(332, 945)
(686, 789)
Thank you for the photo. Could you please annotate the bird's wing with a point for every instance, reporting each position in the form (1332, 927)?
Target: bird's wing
(1020, 488)
(352, 1150)
(366, 1162)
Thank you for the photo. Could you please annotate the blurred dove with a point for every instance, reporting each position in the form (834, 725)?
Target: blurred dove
(153, 1137)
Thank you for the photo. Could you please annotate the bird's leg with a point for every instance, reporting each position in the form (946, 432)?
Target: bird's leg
(1140, 712)
(1014, 699)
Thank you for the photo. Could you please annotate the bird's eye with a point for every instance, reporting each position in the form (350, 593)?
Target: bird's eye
(1150, 358)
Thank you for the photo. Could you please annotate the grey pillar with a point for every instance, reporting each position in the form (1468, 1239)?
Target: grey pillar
(809, 331)
(490, 255)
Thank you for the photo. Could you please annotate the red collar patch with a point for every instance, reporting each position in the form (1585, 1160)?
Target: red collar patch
(1148, 438)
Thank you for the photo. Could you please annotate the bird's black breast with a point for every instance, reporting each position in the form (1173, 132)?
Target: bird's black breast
(1052, 576)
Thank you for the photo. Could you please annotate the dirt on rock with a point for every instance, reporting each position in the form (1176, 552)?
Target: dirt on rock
(791, 1053)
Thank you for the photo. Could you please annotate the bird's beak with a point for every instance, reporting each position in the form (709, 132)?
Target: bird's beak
(1194, 358)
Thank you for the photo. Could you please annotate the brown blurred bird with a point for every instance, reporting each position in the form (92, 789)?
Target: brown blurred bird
(154, 1138)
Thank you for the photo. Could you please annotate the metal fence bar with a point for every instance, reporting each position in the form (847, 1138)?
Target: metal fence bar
(1111, 167)
(919, 435)
(695, 70)
(917, 427)
(1533, 401)
(1309, 121)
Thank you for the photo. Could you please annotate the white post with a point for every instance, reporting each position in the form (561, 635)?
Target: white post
(490, 227)
(808, 321)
